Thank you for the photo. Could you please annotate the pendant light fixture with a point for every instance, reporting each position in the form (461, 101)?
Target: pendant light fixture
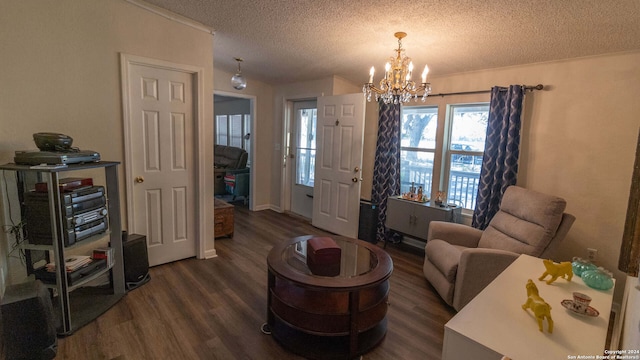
(238, 81)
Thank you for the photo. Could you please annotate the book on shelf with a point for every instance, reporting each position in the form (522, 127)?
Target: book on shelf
(71, 263)
(66, 184)
(73, 277)
(103, 253)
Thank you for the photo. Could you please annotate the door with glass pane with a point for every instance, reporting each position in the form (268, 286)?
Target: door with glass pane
(303, 150)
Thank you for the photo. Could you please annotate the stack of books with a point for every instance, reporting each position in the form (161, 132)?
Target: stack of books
(77, 268)
(71, 263)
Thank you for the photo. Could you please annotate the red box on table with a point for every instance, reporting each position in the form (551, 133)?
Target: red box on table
(323, 256)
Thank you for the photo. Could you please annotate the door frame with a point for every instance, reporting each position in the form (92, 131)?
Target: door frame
(199, 166)
(286, 176)
(252, 112)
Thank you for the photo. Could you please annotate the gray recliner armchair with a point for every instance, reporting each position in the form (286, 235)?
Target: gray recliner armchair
(460, 260)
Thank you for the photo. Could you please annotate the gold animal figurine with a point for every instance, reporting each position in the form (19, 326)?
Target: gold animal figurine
(538, 306)
(556, 270)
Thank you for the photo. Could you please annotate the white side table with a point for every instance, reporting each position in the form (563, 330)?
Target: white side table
(494, 324)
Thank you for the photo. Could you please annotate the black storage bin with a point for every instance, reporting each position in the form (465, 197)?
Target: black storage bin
(28, 322)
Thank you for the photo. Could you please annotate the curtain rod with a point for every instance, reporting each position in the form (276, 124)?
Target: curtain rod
(502, 88)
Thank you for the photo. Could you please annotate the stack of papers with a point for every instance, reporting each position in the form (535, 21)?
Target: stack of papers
(72, 263)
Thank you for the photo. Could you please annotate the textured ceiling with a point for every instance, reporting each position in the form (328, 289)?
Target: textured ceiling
(283, 41)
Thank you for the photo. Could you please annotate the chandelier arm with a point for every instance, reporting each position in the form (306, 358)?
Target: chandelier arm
(375, 89)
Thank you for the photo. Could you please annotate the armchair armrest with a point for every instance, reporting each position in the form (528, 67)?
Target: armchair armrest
(455, 234)
(237, 171)
(477, 268)
(241, 181)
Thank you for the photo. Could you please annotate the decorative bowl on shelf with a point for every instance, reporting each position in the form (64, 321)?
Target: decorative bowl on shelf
(580, 265)
(598, 278)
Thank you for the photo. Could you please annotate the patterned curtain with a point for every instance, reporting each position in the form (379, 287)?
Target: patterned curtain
(386, 169)
(502, 149)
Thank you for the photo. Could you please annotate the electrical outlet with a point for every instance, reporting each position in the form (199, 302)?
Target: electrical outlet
(592, 254)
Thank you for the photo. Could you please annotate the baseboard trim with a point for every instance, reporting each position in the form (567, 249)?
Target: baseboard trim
(211, 253)
(267, 207)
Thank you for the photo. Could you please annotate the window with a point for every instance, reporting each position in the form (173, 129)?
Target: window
(461, 146)
(222, 123)
(306, 119)
(468, 128)
(417, 147)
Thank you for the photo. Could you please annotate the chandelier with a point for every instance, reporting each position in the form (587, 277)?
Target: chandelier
(397, 87)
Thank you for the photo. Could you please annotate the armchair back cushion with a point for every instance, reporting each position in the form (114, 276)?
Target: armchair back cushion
(526, 222)
(229, 157)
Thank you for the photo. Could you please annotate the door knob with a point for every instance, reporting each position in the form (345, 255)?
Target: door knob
(355, 179)
(356, 169)
(139, 179)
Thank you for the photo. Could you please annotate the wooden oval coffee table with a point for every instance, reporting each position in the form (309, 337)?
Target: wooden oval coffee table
(320, 317)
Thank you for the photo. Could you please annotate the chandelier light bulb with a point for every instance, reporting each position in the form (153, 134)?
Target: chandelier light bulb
(424, 74)
(371, 72)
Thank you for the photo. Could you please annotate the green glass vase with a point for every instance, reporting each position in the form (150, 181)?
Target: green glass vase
(598, 278)
(580, 265)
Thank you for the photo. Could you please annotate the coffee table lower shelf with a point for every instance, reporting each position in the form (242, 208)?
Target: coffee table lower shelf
(326, 347)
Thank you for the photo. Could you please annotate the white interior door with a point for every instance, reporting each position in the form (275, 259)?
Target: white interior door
(303, 154)
(336, 195)
(161, 121)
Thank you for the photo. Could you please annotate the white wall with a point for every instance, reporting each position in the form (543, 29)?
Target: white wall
(61, 73)
(232, 107)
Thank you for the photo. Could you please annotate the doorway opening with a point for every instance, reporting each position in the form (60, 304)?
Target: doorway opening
(233, 151)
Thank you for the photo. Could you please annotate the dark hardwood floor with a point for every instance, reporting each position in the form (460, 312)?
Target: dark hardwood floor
(213, 309)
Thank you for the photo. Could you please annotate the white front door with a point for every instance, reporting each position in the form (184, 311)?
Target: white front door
(303, 160)
(336, 195)
(161, 125)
